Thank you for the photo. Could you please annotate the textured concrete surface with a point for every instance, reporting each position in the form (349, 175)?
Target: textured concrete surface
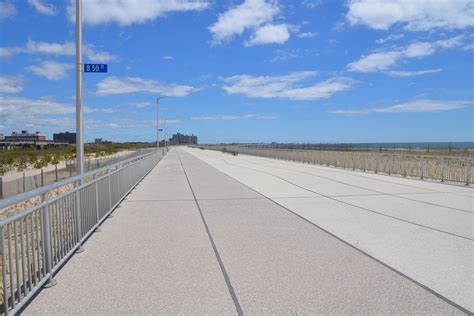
(191, 239)
(429, 240)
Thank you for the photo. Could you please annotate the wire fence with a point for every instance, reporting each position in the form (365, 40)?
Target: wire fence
(39, 237)
(31, 182)
(451, 169)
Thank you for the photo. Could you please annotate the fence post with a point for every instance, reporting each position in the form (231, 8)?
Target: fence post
(24, 184)
(442, 170)
(78, 217)
(56, 172)
(468, 173)
(47, 242)
(1, 187)
(423, 164)
(42, 177)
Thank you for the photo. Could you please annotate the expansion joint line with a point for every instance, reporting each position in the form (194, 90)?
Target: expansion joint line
(350, 204)
(214, 247)
(426, 288)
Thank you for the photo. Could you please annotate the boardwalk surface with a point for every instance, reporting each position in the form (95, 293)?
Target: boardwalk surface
(208, 233)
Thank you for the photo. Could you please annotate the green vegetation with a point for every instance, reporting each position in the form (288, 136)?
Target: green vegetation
(20, 158)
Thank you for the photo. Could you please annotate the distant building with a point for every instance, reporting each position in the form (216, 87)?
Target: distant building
(65, 137)
(24, 136)
(2, 137)
(180, 139)
(100, 141)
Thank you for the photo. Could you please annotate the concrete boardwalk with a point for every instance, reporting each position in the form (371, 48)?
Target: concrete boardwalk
(207, 233)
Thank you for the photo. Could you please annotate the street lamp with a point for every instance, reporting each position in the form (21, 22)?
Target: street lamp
(157, 124)
(158, 130)
(79, 67)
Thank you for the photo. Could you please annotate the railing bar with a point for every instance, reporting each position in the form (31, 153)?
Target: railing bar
(33, 230)
(22, 248)
(61, 228)
(17, 261)
(10, 263)
(28, 261)
(55, 248)
(4, 270)
(67, 209)
(39, 249)
(43, 242)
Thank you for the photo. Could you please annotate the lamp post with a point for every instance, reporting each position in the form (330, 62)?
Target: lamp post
(79, 68)
(157, 123)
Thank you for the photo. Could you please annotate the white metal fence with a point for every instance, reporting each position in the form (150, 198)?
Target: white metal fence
(38, 239)
(451, 169)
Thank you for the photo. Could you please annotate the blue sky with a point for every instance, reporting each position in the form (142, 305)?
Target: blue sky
(243, 71)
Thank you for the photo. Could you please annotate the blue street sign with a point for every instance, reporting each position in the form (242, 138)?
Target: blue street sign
(95, 67)
(160, 130)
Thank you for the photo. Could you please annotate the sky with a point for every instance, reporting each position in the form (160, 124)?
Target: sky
(243, 70)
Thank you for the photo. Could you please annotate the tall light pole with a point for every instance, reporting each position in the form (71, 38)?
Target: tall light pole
(157, 122)
(79, 68)
(166, 137)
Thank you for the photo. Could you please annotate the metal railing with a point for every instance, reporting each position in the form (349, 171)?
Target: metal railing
(444, 169)
(51, 223)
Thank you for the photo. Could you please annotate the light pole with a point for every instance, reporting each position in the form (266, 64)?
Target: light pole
(79, 68)
(166, 137)
(157, 124)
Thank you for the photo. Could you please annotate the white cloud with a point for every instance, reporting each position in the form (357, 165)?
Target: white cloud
(226, 117)
(161, 122)
(57, 49)
(11, 84)
(307, 34)
(469, 47)
(383, 60)
(7, 10)
(29, 112)
(250, 15)
(403, 73)
(312, 4)
(415, 15)
(286, 87)
(412, 106)
(47, 9)
(52, 70)
(116, 85)
(282, 55)
(269, 34)
(392, 37)
(127, 12)
(167, 58)
(46, 112)
(140, 104)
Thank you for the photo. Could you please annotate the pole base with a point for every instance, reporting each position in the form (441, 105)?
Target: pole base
(80, 249)
(98, 230)
(50, 283)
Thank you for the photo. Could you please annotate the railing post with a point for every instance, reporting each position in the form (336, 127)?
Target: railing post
(78, 217)
(47, 242)
(97, 204)
(110, 195)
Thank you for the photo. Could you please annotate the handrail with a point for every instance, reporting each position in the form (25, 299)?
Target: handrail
(44, 189)
(36, 241)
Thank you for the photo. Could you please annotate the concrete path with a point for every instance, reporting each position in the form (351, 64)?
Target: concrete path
(205, 234)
